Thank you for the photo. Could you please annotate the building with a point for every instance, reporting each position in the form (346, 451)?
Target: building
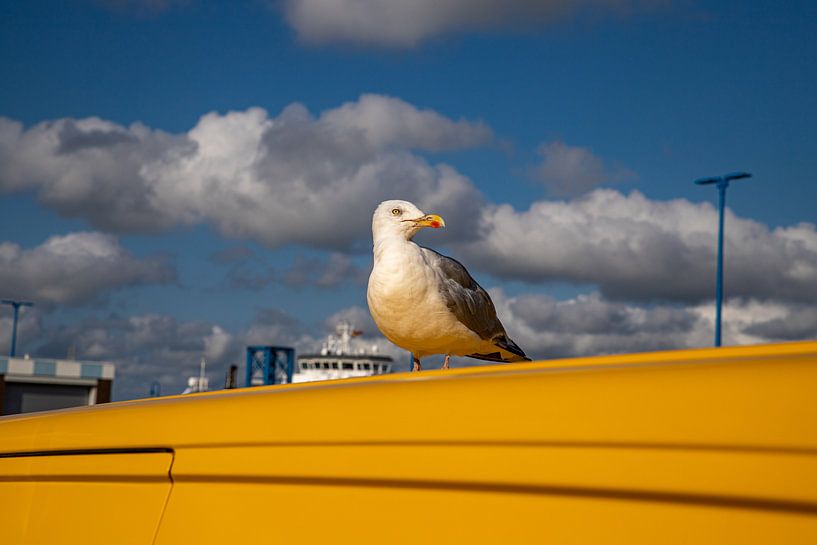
(29, 384)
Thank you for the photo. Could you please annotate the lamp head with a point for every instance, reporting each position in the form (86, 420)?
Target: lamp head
(737, 176)
(723, 179)
(17, 303)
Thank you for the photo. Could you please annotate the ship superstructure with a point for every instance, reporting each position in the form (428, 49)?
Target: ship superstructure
(339, 359)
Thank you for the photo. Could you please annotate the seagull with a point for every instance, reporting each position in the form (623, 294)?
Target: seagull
(428, 303)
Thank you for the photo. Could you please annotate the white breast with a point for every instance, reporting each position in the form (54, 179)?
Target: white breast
(407, 306)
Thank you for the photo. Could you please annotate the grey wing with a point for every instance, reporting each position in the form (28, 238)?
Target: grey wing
(472, 306)
(468, 301)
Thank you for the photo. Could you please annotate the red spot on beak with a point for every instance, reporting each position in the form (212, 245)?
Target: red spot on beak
(435, 224)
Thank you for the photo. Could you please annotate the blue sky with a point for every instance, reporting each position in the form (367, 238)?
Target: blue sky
(571, 129)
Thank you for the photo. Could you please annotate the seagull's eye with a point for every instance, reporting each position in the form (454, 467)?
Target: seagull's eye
(396, 211)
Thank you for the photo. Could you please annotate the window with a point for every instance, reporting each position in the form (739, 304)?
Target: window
(347, 365)
(366, 366)
(326, 365)
(334, 365)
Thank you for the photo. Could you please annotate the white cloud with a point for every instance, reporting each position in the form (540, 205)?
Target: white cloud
(155, 347)
(89, 168)
(273, 326)
(298, 178)
(388, 122)
(398, 23)
(634, 248)
(75, 269)
(572, 170)
(146, 348)
(779, 322)
(589, 325)
(217, 343)
(359, 317)
(290, 179)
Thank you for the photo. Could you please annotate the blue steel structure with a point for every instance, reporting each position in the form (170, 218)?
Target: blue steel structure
(722, 183)
(16, 305)
(273, 362)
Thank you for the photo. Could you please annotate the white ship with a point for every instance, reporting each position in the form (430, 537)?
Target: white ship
(337, 359)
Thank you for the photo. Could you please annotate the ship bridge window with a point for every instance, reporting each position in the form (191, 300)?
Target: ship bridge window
(326, 365)
(366, 366)
(334, 365)
(347, 365)
(376, 367)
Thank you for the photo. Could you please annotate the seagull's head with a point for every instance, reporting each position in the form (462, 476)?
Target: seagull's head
(402, 219)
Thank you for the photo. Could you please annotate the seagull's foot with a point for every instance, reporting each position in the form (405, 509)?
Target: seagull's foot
(445, 363)
(417, 366)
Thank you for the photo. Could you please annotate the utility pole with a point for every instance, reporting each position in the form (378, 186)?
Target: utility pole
(722, 183)
(16, 306)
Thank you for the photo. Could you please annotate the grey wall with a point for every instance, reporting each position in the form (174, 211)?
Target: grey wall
(22, 397)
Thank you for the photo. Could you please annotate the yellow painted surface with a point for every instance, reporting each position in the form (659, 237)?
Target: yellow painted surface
(262, 513)
(696, 446)
(82, 499)
(670, 472)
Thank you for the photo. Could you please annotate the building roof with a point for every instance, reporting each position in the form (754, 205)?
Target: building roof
(59, 369)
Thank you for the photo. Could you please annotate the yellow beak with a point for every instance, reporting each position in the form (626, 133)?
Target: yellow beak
(432, 220)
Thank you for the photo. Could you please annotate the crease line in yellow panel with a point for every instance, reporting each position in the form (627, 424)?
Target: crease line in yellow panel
(167, 498)
(84, 452)
(694, 447)
(44, 478)
(718, 501)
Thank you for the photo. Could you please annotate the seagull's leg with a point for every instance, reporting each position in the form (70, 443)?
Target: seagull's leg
(445, 363)
(417, 366)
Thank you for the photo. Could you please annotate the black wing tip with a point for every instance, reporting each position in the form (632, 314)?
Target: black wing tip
(508, 345)
(503, 342)
(493, 356)
(518, 359)
(497, 357)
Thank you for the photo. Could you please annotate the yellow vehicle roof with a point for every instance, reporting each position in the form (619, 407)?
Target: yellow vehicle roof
(754, 397)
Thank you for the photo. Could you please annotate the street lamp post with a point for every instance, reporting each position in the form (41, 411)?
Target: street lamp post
(16, 305)
(722, 183)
